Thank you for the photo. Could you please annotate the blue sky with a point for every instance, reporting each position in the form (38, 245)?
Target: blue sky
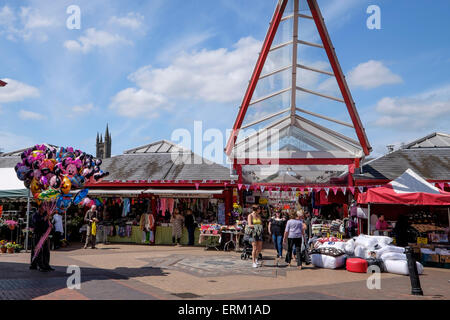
(150, 67)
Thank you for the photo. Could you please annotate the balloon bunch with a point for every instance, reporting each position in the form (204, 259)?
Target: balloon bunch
(51, 173)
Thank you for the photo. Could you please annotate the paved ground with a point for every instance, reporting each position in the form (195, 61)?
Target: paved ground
(161, 272)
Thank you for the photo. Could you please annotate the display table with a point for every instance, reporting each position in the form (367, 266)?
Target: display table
(136, 236)
(164, 235)
(210, 240)
(235, 237)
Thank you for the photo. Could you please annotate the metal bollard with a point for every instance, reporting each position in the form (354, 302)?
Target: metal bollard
(416, 289)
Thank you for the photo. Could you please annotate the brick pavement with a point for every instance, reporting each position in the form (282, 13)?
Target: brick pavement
(162, 272)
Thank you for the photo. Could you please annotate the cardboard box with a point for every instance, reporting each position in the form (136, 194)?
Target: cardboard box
(430, 258)
(421, 240)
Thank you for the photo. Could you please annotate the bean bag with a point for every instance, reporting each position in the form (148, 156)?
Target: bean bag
(376, 262)
(393, 256)
(401, 267)
(327, 262)
(356, 265)
(350, 247)
(389, 248)
(360, 252)
(366, 241)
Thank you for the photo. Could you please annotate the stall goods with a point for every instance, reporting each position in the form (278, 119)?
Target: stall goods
(424, 228)
(327, 262)
(328, 257)
(401, 267)
(356, 265)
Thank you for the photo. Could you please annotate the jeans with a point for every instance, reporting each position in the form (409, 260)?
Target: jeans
(191, 233)
(298, 244)
(278, 243)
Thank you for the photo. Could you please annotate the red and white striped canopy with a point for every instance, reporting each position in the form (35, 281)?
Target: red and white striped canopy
(409, 189)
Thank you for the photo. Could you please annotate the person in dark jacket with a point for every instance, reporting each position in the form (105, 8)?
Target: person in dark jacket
(401, 231)
(40, 224)
(189, 222)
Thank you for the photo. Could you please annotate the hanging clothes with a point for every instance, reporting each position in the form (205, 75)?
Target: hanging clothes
(163, 206)
(126, 207)
(170, 205)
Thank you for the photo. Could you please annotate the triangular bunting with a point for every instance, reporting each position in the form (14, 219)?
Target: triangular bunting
(344, 190)
(352, 190)
(361, 189)
(239, 186)
(327, 190)
(197, 185)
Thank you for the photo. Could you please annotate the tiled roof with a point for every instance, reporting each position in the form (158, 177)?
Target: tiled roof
(434, 140)
(430, 163)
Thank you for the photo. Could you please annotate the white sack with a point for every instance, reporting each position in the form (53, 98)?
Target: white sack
(350, 246)
(387, 249)
(366, 241)
(327, 262)
(338, 245)
(360, 252)
(393, 256)
(401, 267)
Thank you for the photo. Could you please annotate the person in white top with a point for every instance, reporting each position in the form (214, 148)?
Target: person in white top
(59, 230)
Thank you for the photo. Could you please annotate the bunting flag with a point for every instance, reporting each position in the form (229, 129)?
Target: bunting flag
(301, 189)
(197, 185)
(204, 181)
(239, 186)
(310, 190)
(442, 185)
(262, 188)
(270, 190)
(352, 190)
(225, 184)
(232, 182)
(255, 187)
(247, 187)
(344, 190)
(335, 190)
(361, 189)
(327, 190)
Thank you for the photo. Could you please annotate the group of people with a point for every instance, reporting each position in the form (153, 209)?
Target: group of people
(293, 231)
(178, 221)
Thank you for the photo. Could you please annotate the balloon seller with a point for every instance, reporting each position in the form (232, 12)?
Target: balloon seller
(51, 174)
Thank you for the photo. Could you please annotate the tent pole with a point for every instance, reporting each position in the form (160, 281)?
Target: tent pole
(65, 225)
(28, 221)
(368, 219)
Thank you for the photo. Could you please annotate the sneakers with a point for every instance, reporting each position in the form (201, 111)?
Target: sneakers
(255, 265)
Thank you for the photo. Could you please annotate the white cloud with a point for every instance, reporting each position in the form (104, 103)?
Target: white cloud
(27, 24)
(95, 38)
(421, 111)
(30, 115)
(132, 20)
(372, 74)
(207, 75)
(83, 108)
(134, 103)
(367, 75)
(17, 91)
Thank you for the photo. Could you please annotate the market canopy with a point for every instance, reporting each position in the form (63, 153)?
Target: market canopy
(10, 185)
(409, 189)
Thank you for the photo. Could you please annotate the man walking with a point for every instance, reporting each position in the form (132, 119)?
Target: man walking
(91, 218)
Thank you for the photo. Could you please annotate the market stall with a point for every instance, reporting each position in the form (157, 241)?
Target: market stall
(426, 207)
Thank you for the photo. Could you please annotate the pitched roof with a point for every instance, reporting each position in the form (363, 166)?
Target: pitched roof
(162, 160)
(430, 163)
(434, 140)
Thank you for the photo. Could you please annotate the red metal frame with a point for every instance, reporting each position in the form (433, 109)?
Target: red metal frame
(276, 19)
(326, 40)
(319, 21)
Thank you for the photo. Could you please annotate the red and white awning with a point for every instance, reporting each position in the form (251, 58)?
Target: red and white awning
(409, 189)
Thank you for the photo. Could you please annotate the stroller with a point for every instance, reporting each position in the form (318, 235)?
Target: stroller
(248, 248)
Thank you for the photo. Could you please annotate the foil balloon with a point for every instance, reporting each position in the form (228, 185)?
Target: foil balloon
(22, 172)
(80, 196)
(66, 185)
(50, 194)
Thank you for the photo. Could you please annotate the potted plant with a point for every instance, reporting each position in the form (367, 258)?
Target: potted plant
(11, 224)
(3, 246)
(18, 247)
(10, 247)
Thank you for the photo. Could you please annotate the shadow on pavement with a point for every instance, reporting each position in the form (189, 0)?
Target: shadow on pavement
(18, 282)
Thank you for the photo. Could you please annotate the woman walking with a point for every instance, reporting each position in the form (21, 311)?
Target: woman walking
(293, 235)
(177, 226)
(254, 222)
(277, 224)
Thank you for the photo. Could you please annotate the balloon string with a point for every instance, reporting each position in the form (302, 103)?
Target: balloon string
(42, 240)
